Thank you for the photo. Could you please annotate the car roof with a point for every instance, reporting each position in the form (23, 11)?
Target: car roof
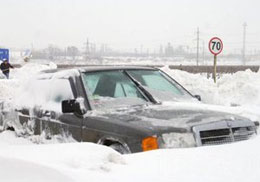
(99, 68)
(102, 68)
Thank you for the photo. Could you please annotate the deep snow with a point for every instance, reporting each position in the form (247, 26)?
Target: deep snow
(237, 162)
(22, 160)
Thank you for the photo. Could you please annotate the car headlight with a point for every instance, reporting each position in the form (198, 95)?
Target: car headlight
(178, 140)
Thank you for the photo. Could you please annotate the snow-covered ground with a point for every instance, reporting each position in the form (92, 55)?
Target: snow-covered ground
(22, 160)
(239, 92)
(148, 60)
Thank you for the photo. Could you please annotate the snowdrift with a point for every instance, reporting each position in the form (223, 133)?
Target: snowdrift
(22, 160)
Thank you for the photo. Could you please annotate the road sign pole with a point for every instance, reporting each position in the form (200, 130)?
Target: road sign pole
(215, 47)
(215, 69)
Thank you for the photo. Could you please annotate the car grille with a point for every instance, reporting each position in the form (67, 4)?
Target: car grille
(214, 137)
(206, 135)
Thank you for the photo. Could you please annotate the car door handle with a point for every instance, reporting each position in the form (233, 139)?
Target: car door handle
(46, 113)
(22, 111)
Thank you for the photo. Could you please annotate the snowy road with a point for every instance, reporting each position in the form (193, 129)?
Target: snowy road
(21, 160)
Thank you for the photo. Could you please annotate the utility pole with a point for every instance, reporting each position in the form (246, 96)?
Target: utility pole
(203, 52)
(198, 44)
(87, 50)
(244, 44)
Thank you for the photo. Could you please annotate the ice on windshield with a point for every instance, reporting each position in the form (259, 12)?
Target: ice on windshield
(111, 89)
(107, 88)
(160, 85)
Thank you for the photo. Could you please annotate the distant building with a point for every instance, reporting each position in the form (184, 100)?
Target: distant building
(169, 50)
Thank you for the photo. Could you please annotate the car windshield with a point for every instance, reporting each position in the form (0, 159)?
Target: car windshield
(161, 86)
(111, 89)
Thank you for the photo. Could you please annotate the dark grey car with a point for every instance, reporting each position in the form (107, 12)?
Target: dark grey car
(130, 109)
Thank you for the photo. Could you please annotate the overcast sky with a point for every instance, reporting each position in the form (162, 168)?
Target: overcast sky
(125, 24)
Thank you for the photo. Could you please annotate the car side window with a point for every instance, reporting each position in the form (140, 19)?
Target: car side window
(60, 91)
(46, 94)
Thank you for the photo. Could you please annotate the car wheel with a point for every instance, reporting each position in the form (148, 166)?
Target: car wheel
(119, 148)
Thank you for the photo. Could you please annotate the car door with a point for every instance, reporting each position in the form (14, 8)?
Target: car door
(40, 111)
(29, 120)
(68, 126)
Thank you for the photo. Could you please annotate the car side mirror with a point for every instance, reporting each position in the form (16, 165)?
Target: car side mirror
(70, 106)
(198, 97)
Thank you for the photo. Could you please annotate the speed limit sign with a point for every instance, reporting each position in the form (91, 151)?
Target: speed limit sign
(215, 45)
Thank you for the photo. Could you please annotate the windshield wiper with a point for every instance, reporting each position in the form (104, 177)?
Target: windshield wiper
(141, 87)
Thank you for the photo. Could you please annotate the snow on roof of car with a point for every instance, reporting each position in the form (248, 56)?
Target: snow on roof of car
(58, 73)
(92, 68)
(75, 71)
(98, 68)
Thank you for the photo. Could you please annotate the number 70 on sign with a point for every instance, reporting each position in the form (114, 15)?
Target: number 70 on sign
(215, 46)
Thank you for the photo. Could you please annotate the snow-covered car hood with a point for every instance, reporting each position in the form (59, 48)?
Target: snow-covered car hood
(169, 116)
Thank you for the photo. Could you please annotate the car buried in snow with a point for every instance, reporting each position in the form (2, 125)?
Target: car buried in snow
(130, 109)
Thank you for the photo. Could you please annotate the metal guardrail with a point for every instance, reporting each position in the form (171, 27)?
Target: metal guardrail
(188, 68)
